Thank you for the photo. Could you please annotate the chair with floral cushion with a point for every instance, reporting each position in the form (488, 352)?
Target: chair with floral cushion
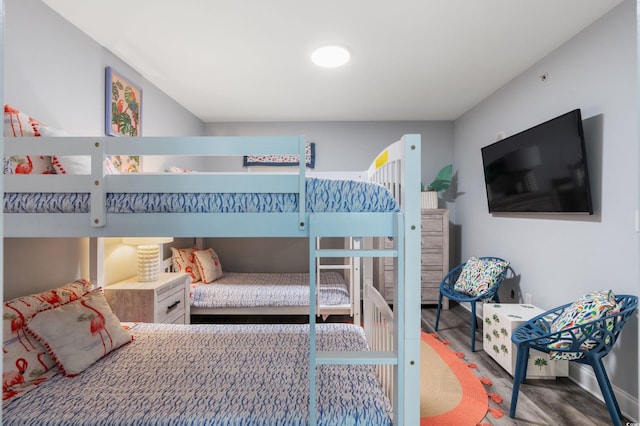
(583, 331)
(477, 279)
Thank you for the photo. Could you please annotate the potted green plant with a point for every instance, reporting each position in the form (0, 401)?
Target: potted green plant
(442, 182)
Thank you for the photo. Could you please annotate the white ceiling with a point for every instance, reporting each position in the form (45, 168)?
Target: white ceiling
(249, 60)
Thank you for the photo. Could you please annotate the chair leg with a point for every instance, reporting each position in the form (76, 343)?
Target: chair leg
(607, 391)
(438, 313)
(518, 376)
(474, 323)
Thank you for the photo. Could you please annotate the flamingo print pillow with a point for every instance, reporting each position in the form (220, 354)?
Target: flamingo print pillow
(184, 260)
(25, 361)
(79, 333)
(19, 124)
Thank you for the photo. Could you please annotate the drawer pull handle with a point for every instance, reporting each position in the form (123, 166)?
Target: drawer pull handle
(173, 306)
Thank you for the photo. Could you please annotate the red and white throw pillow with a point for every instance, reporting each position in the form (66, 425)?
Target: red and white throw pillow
(184, 260)
(25, 361)
(19, 124)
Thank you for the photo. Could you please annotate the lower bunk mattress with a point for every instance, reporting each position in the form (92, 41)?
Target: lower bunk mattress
(252, 290)
(212, 375)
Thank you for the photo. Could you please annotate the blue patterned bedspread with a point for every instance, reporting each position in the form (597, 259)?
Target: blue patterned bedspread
(211, 375)
(237, 289)
(322, 195)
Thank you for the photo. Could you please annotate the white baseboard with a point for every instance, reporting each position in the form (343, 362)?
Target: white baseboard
(584, 377)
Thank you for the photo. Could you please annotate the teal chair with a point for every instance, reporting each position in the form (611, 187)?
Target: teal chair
(448, 290)
(591, 340)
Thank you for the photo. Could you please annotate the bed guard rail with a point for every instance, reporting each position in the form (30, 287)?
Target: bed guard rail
(99, 183)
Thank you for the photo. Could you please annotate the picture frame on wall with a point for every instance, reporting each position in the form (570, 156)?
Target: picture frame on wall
(123, 112)
(282, 160)
(123, 105)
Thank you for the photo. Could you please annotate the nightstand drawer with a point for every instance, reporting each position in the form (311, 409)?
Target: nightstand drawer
(171, 304)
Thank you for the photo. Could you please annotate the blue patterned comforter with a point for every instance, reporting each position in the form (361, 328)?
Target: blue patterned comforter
(211, 375)
(322, 195)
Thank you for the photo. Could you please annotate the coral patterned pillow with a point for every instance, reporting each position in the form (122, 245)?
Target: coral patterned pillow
(478, 276)
(209, 265)
(79, 333)
(184, 260)
(19, 124)
(25, 361)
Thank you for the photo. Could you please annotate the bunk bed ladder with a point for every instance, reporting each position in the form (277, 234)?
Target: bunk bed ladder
(352, 266)
(377, 358)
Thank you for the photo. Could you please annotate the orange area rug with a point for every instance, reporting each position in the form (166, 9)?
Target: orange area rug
(450, 391)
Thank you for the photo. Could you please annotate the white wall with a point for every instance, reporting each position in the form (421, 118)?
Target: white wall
(56, 74)
(558, 258)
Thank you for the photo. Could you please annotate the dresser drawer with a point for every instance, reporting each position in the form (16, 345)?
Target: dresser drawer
(431, 242)
(432, 223)
(431, 277)
(432, 259)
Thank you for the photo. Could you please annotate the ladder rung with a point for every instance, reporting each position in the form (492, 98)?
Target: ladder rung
(334, 266)
(356, 253)
(356, 357)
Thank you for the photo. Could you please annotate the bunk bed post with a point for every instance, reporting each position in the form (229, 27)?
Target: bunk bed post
(98, 190)
(96, 261)
(312, 323)
(2, 20)
(409, 362)
(302, 182)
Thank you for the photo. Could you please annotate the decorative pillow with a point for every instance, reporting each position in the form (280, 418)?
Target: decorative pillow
(590, 307)
(478, 276)
(66, 164)
(25, 361)
(109, 168)
(79, 333)
(19, 124)
(208, 265)
(175, 169)
(184, 260)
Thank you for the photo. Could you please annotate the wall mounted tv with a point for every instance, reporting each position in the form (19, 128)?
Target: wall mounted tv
(542, 169)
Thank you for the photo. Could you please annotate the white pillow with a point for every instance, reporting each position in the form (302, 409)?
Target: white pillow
(209, 265)
(67, 164)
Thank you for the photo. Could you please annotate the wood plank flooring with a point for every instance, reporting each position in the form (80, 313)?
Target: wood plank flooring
(541, 402)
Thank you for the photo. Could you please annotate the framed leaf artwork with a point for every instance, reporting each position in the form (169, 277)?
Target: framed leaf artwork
(123, 105)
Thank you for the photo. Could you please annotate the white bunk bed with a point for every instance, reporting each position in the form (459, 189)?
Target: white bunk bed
(393, 339)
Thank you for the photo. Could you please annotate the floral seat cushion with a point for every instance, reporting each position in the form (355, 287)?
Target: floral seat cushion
(479, 275)
(587, 309)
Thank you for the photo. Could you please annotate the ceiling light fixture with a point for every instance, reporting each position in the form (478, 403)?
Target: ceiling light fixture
(330, 56)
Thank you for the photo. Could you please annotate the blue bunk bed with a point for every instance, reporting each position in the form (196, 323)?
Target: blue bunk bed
(393, 338)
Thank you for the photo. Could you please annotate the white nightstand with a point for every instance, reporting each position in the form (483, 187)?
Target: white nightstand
(500, 320)
(165, 300)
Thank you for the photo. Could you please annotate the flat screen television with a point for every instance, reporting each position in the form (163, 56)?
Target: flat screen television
(542, 169)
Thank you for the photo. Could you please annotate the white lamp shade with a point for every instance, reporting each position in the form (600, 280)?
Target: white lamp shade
(148, 255)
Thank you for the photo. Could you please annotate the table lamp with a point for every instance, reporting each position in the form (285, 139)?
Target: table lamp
(148, 255)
